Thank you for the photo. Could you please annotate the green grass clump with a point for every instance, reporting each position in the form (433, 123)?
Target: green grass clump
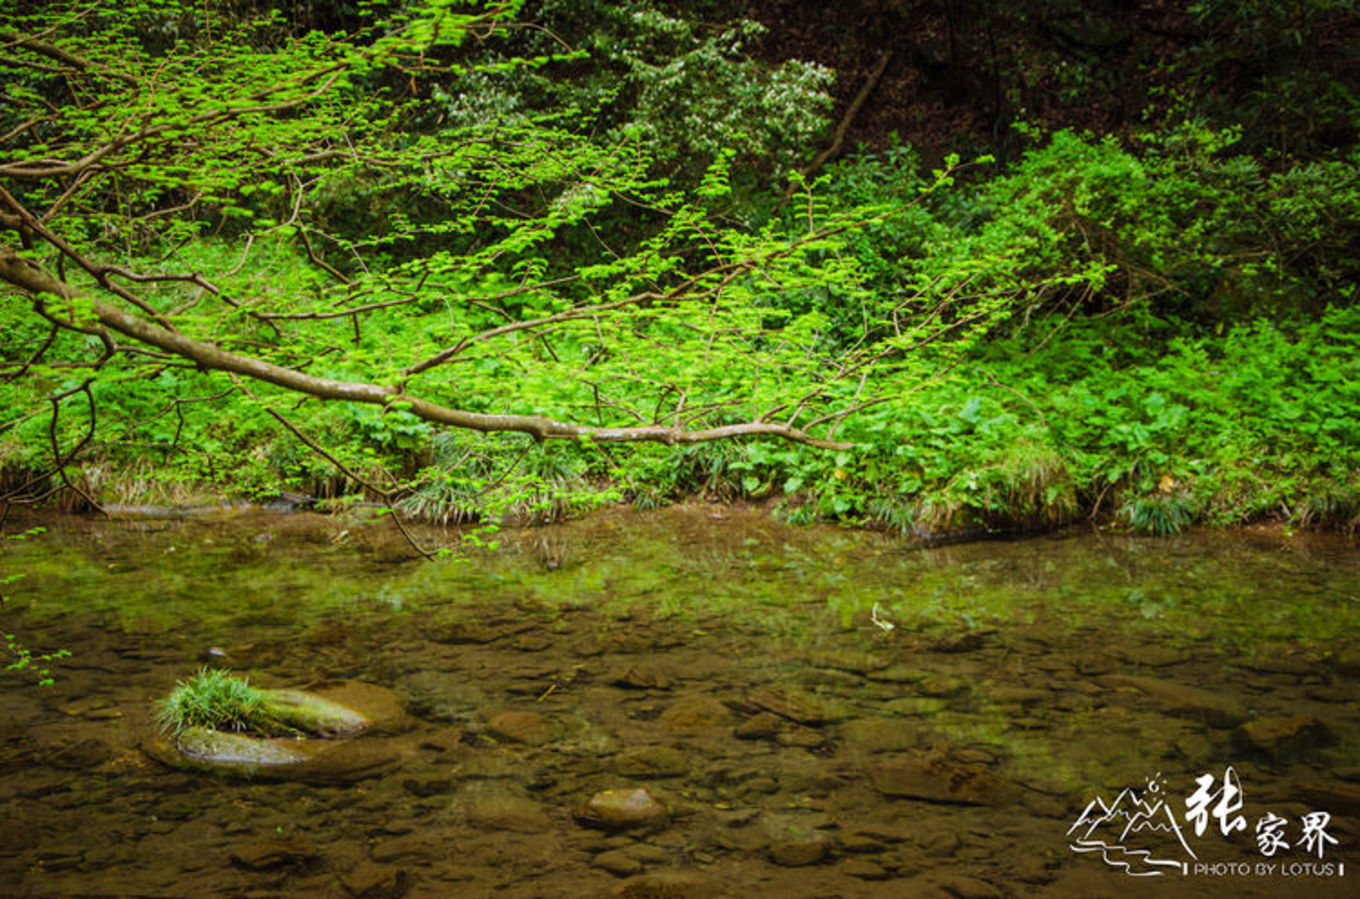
(217, 699)
(1159, 515)
(1337, 508)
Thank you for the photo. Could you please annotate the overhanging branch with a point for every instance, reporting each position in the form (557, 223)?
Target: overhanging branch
(37, 283)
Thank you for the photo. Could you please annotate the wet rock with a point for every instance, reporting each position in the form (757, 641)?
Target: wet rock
(504, 812)
(616, 862)
(531, 728)
(1347, 661)
(623, 809)
(855, 843)
(944, 686)
(671, 885)
(449, 739)
(799, 851)
(881, 734)
(939, 781)
(798, 706)
(273, 855)
(693, 712)
(1018, 695)
(78, 754)
(437, 696)
(1030, 870)
(829, 678)
(233, 749)
(93, 708)
(961, 886)
(898, 674)
(1277, 659)
(52, 859)
(1330, 693)
(1183, 701)
(1151, 655)
(762, 726)
(968, 641)
(940, 844)
(801, 738)
(1094, 666)
(762, 785)
(640, 677)
(1281, 738)
(1341, 800)
(915, 706)
(285, 758)
(854, 661)
(651, 762)
(384, 709)
(463, 632)
(425, 787)
(864, 869)
(648, 854)
(885, 832)
(417, 849)
(315, 714)
(376, 882)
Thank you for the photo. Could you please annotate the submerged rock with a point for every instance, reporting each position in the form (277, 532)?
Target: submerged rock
(273, 855)
(230, 749)
(693, 712)
(617, 863)
(651, 762)
(530, 728)
(313, 715)
(939, 781)
(798, 706)
(1281, 738)
(324, 750)
(797, 852)
(672, 885)
(517, 814)
(1181, 701)
(376, 882)
(625, 809)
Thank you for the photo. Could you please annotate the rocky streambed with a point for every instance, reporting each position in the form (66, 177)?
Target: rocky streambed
(547, 739)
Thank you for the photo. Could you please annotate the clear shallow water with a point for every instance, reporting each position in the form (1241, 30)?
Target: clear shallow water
(730, 666)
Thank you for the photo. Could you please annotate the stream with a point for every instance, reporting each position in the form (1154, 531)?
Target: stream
(807, 712)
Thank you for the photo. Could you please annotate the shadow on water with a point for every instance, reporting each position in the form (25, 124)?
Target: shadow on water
(815, 712)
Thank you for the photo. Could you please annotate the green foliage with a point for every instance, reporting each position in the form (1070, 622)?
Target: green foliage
(502, 480)
(684, 87)
(215, 698)
(27, 663)
(484, 224)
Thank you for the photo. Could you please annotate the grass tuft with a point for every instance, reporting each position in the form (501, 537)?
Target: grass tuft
(219, 700)
(1337, 509)
(1159, 515)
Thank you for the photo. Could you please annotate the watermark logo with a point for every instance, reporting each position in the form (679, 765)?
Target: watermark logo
(1149, 832)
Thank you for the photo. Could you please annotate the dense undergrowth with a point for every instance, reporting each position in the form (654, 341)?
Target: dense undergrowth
(1168, 329)
(1127, 416)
